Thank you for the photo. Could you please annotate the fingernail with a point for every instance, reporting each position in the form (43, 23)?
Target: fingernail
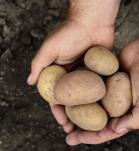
(122, 131)
(29, 80)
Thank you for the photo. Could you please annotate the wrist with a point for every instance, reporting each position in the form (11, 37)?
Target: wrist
(94, 12)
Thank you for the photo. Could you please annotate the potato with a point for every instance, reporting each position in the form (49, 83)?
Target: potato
(47, 80)
(90, 117)
(79, 87)
(118, 97)
(101, 61)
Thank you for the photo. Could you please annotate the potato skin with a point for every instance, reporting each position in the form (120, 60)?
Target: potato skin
(47, 80)
(90, 117)
(79, 87)
(101, 61)
(118, 97)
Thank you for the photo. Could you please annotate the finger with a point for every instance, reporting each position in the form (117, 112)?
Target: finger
(127, 57)
(43, 58)
(59, 114)
(122, 124)
(87, 137)
(113, 122)
(127, 122)
(134, 74)
(72, 139)
(68, 127)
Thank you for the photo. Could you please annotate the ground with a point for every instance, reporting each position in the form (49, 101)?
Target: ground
(26, 122)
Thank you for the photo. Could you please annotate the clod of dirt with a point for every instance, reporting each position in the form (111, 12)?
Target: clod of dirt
(6, 55)
(37, 33)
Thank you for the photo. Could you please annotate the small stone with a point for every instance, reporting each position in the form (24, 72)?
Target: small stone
(37, 33)
(27, 143)
(3, 13)
(6, 55)
(6, 31)
(3, 103)
(21, 3)
(1, 78)
(2, 21)
(47, 19)
(11, 98)
(50, 26)
(30, 116)
(21, 93)
(109, 142)
(12, 69)
(33, 146)
(0, 142)
(2, 73)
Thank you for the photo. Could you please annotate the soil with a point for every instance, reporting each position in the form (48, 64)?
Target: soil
(26, 122)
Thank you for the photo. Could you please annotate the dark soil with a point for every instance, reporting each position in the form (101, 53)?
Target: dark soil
(26, 122)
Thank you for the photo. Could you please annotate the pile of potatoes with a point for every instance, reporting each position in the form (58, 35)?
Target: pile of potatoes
(90, 94)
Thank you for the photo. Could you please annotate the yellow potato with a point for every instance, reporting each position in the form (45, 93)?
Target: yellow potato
(79, 87)
(47, 80)
(118, 97)
(90, 117)
(101, 61)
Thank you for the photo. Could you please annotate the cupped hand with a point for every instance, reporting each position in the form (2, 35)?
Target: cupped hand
(82, 29)
(129, 59)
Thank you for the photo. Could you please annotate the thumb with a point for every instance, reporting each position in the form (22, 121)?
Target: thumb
(43, 58)
(122, 125)
(134, 74)
(128, 122)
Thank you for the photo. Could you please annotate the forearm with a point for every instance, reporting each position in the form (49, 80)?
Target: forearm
(98, 11)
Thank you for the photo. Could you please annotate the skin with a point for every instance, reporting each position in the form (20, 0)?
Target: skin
(117, 126)
(89, 23)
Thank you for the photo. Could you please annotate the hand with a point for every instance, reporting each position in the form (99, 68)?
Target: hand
(89, 23)
(129, 58)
